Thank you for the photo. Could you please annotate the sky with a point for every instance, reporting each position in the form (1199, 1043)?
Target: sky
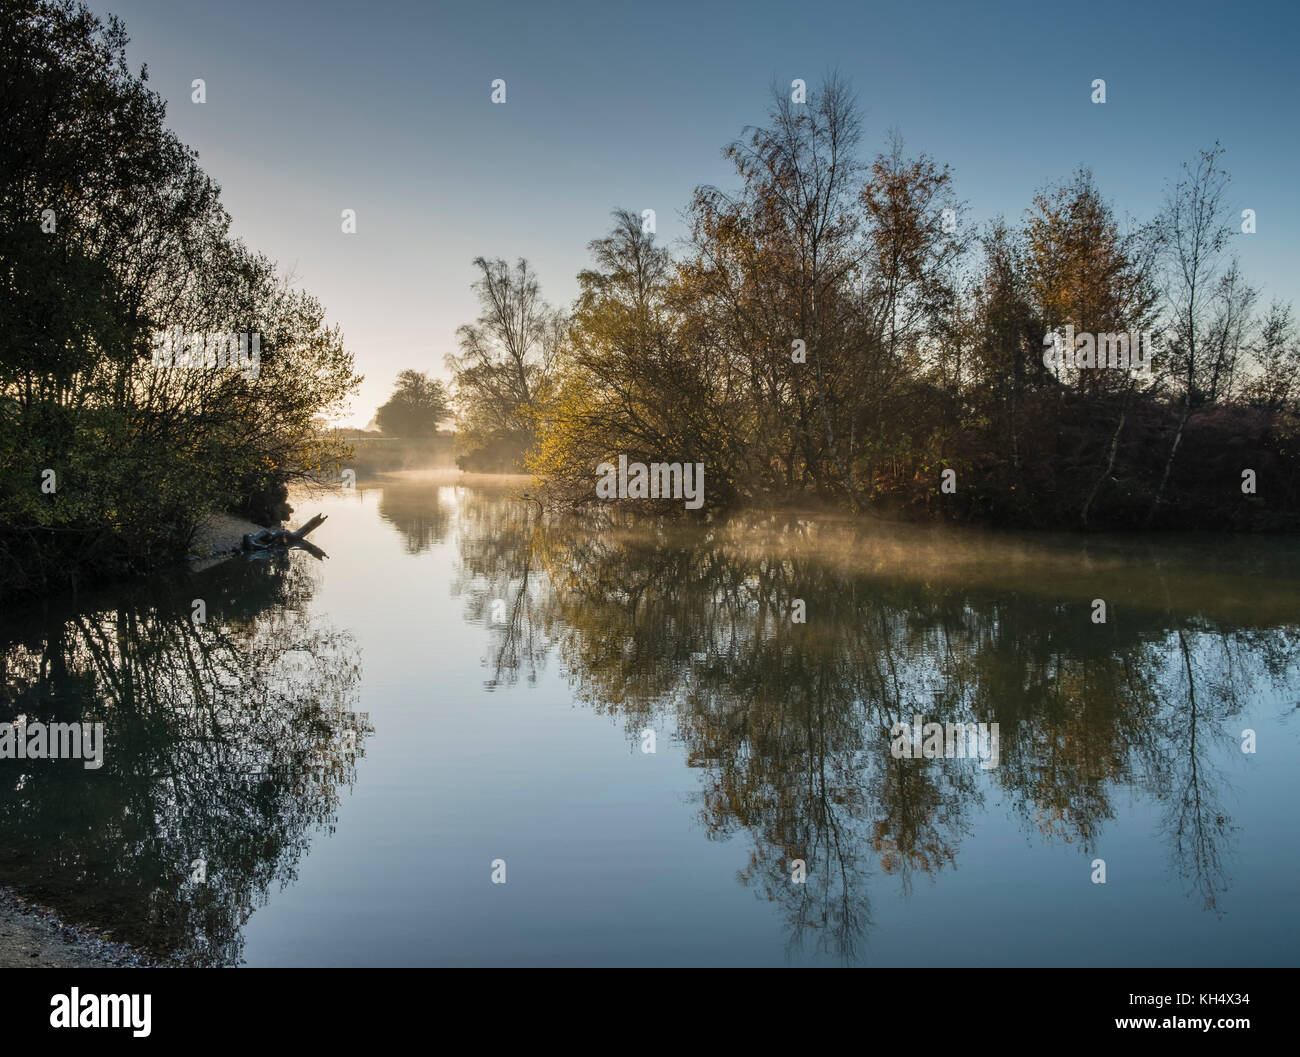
(385, 108)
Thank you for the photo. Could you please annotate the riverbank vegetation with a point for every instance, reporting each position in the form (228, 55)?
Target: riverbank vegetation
(111, 235)
(834, 329)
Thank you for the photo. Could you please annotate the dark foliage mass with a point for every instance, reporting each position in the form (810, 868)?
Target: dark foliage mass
(111, 236)
(834, 331)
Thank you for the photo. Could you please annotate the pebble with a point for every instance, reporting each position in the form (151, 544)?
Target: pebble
(84, 940)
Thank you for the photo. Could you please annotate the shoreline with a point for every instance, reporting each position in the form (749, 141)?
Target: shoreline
(33, 936)
(217, 537)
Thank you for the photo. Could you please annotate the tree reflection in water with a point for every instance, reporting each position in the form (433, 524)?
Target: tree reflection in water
(227, 743)
(689, 630)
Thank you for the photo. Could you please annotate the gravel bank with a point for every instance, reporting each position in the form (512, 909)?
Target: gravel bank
(33, 937)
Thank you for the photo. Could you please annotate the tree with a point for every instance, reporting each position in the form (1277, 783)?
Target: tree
(1194, 226)
(825, 331)
(634, 378)
(1276, 384)
(1083, 271)
(110, 235)
(418, 404)
(774, 260)
(503, 376)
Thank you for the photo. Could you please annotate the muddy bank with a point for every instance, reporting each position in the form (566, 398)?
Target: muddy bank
(33, 937)
(218, 535)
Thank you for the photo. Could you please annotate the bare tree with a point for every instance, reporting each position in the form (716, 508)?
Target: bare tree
(1194, 227)
(505, 370)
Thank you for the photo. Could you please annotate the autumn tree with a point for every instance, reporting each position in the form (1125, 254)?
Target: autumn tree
(503, 376)
(638, 377)
(769, 266)
(833, 330)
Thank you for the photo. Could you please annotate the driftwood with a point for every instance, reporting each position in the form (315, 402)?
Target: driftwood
(272, 539)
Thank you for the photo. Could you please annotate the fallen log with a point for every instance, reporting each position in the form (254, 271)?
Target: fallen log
(268, 538)
(311, 526)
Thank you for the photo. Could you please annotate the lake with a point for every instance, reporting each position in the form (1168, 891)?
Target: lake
(337, 761)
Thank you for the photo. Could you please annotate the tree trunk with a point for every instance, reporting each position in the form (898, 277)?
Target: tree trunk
(1110, 465)
(1169, 462)
(257, 541)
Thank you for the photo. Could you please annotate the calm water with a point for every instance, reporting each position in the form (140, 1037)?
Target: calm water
(346, 746)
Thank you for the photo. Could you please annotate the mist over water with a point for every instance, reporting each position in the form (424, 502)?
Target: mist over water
(349, 744)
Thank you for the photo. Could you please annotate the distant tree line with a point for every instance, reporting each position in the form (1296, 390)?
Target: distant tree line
(416, 407)
(834, 331)
(110, 235)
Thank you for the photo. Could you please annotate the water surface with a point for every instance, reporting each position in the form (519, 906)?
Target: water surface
(344, 747)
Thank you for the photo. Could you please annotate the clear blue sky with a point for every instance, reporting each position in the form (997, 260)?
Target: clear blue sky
(385, 108)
